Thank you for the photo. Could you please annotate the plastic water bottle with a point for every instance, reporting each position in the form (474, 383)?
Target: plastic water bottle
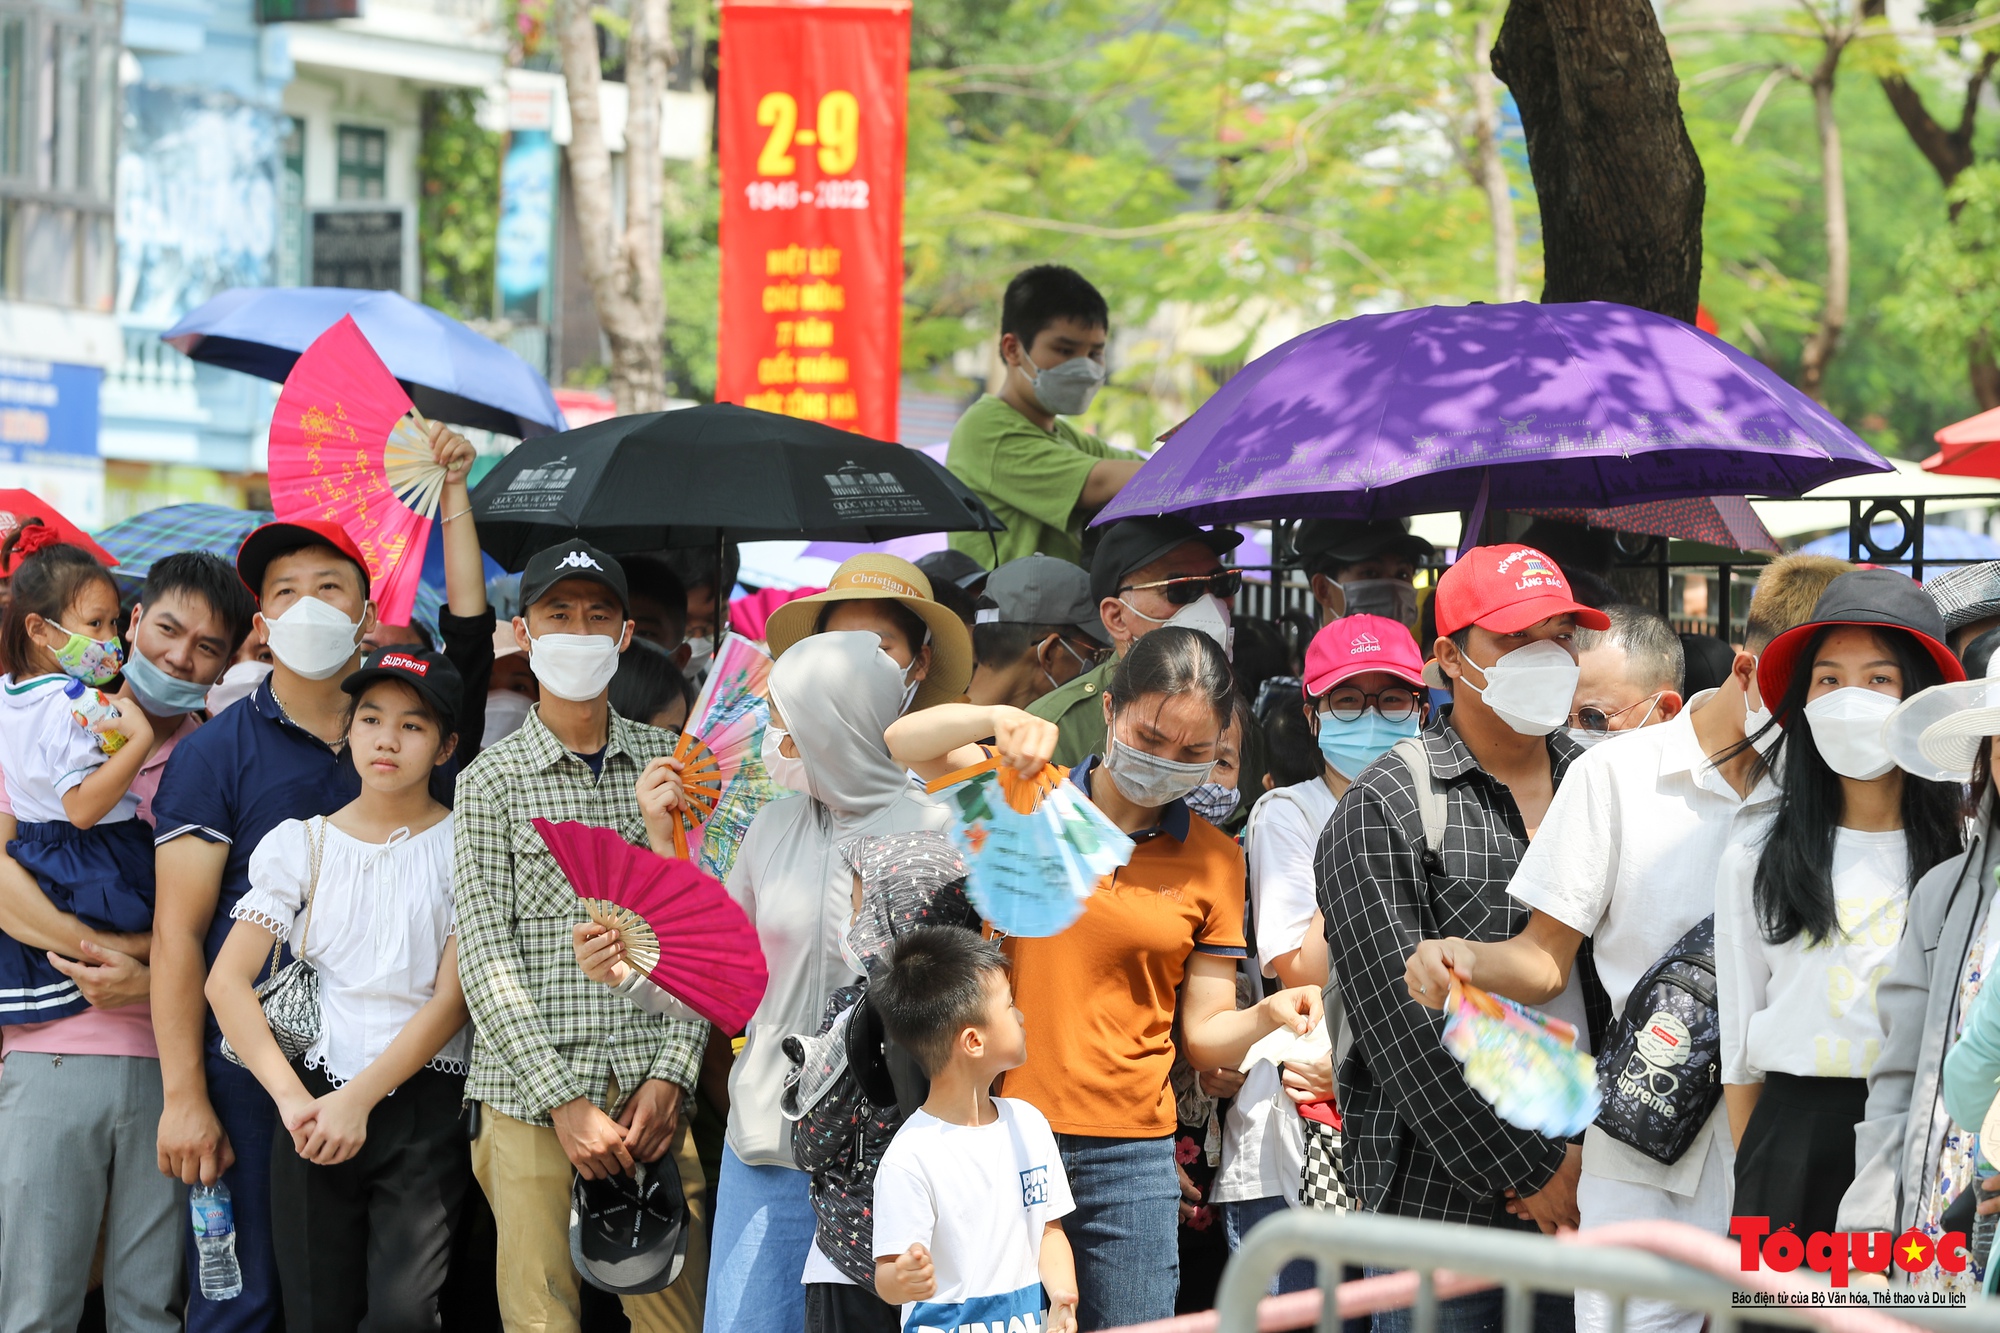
(87, 706)
(215, 1240)
(1985, 1224)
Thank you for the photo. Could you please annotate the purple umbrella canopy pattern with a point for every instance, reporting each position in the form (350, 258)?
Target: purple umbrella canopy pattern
(1585, 405)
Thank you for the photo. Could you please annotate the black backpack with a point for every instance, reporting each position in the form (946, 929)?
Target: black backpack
(1660, 1074)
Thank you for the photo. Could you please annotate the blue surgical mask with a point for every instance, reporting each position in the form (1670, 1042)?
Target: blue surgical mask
(157, 692)
(1351, 746)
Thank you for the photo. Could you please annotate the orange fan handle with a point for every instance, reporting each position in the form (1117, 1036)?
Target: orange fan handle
(701, 787)
(1024, 795)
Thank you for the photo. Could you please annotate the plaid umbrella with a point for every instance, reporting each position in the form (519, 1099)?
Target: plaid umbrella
(1720, 520)
(144, 538)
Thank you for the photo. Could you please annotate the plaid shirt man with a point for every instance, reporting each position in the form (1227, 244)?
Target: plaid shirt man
(544, 1033)
(1416, 1140)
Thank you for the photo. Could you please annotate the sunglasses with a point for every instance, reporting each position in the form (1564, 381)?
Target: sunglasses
(1596, 719)
(1190, 588)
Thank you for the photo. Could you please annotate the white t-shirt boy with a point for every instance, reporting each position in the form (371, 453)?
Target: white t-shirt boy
(977, 1197)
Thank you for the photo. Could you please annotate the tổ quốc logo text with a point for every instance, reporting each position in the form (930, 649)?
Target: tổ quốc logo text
(1837, 1253)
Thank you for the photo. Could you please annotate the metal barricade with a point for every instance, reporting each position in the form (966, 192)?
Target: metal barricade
(1625, 1262)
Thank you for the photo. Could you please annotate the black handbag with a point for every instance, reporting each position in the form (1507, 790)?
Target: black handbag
(1660, 1073)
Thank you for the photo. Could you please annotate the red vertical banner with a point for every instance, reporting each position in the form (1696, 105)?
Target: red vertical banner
(811, 113)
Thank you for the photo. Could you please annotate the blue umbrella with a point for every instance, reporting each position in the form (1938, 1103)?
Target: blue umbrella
(158, 533)
(1941, 542)
(451, 373)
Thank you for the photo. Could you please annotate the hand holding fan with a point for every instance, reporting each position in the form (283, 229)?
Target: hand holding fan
(722, 774)
(678, 926)
(348, 447)
(1034, 847)
(1522, 1061)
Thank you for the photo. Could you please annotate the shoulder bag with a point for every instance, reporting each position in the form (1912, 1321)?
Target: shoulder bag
(290, 995)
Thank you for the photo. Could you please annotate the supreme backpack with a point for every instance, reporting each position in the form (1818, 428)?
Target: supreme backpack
(1660, 1073)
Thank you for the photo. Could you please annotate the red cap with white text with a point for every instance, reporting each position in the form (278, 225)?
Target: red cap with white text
(1506, 589)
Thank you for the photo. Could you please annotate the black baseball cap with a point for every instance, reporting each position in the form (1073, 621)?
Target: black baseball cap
(628, 1234)
(1346, 540)
(429, 673)
(1878, 598)
(1134, 543)
(953, 566)
(573, 559)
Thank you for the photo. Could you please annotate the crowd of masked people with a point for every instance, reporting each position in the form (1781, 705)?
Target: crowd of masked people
(1509, 778)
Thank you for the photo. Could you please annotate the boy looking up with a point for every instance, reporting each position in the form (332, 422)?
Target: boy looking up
(1039, 474)
(970, 1196)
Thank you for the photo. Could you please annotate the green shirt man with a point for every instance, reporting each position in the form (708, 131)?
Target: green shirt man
(1039, 474)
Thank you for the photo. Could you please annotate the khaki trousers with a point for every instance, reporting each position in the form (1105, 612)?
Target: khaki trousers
(526, 1177)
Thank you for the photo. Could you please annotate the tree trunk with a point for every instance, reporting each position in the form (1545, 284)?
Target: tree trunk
(622, 264)
(1493, 170)
(1617, 178)
(1825, 341)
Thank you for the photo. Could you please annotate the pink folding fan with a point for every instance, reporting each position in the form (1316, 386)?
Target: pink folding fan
(679, 926)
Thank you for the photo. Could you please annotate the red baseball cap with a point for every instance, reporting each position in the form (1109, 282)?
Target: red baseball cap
(1506, 589)
(1356, 644)
(267, 543)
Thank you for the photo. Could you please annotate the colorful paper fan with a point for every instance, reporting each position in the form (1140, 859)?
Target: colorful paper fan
(721, 751)
(1034, 848)
(679, 926)
(348, 447)
(1522, 1061)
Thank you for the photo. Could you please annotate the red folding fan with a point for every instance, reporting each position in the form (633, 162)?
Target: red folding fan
(679, 927)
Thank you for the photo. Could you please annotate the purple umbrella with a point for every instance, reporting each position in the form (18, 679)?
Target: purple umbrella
(1518, 406)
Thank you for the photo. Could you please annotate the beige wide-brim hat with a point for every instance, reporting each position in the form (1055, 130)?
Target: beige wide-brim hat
(873, 577)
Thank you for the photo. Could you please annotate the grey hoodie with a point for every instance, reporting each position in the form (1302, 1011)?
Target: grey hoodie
(1893, 1150)
(837, 693)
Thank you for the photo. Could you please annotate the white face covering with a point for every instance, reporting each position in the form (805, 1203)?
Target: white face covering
(239, 682)
(505, 712)
(1847, 728)
(700, 652)
(576, 667)
(1209, 615)
(313, 639)
(1148, 780)
(788, 771)
(1531, 688)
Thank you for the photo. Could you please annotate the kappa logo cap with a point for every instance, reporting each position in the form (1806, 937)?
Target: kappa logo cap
(1506, 589)
(573, 559)
(1352, 645)
(430, 674)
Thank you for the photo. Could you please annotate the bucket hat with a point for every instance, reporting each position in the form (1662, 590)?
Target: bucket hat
(1879, 598)
(874, 577)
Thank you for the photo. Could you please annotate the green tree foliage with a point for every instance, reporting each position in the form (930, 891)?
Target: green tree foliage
(458, 165)
(690, 275)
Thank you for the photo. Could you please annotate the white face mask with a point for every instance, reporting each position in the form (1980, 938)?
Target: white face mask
(505, 712)
(239, 682)
(1530, 689)
(700, 651)
(576, 667)
(312, 639)
(849, 957)
(788, 771)
(1588, 738)
(1847, 728)
(1067, 387)
(1148, 780)
(1209, 614)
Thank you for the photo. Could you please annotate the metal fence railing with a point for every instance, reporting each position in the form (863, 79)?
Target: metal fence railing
(1664, 1261)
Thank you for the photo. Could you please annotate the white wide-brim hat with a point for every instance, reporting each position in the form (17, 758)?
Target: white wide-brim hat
(1936, 733)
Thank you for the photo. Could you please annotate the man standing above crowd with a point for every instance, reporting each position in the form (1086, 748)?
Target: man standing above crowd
(556, 1056)
(1628, 676)
(1039, 474)
(1418, 1141)
(1147, 572)
(1627, 857)
(1362, 567)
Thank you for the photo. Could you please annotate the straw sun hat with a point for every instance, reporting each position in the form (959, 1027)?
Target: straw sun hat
(873, 577)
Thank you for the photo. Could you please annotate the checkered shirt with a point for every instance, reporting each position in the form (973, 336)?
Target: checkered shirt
(543, 1032)
(1416, 1140)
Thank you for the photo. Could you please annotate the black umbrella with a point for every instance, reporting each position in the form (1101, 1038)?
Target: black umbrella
(703, 475)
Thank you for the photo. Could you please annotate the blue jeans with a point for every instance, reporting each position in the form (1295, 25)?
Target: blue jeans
(1123, 1231)
(763, 1230)
(1239, 1217)
(1481, 1312)
(251, 1121)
